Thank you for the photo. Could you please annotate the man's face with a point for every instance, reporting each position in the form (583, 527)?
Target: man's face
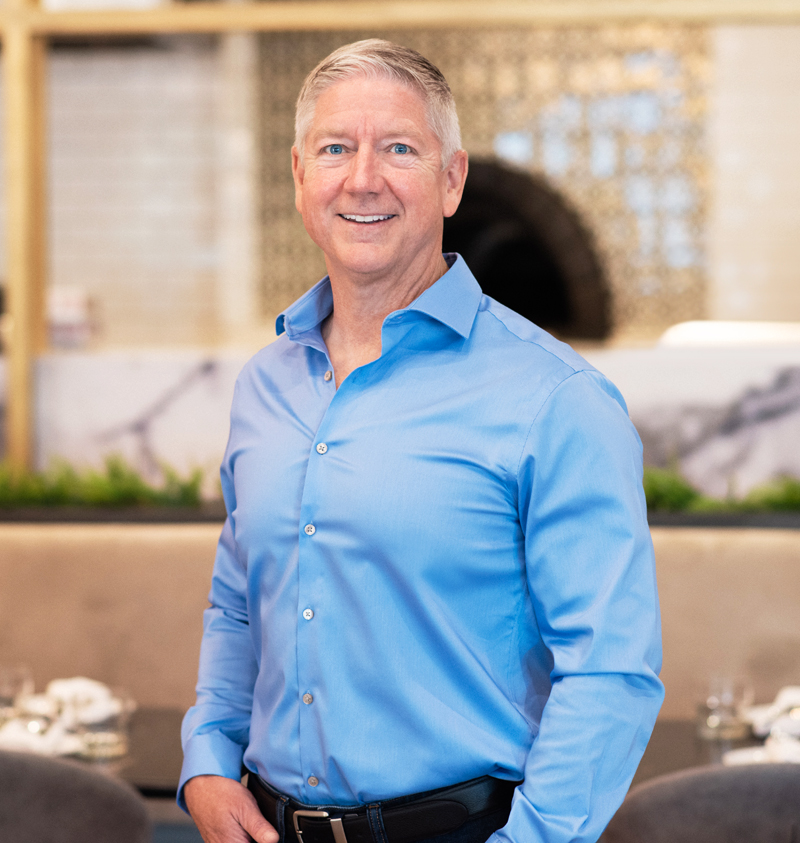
(370, 186)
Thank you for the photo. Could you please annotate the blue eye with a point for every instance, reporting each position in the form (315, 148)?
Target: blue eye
(334, 149)
(401, 148)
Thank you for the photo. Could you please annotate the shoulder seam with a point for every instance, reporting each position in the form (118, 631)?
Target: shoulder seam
(541, 407)
(538, 345)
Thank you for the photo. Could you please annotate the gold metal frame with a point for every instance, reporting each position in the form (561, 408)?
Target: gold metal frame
(25, 29)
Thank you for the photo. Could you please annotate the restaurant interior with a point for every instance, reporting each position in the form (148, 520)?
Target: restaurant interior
(636, 162)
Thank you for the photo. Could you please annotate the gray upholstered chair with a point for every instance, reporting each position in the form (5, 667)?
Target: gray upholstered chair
(758, 803)
(47, 801)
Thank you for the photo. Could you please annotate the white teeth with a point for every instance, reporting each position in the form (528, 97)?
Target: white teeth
(373, 218)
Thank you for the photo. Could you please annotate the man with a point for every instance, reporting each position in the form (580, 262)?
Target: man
(436, 572)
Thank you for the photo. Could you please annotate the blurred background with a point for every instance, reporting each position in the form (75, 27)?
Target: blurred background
(634, 187)
(626, 177)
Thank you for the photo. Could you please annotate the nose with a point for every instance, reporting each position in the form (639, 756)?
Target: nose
(364, 174)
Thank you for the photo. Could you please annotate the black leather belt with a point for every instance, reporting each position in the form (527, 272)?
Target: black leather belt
(402, 820)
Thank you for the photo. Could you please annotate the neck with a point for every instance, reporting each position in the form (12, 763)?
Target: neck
(352, 332)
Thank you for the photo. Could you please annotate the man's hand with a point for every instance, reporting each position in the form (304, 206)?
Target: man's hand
(225, 812)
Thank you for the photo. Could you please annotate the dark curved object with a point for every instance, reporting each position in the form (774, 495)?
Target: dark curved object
(530, 251)
(43, 800)
(757, 803)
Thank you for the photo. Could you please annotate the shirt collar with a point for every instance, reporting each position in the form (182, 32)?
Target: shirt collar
(307, 312)
(452, 300)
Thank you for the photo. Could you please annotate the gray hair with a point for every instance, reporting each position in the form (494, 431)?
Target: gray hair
(375, 58)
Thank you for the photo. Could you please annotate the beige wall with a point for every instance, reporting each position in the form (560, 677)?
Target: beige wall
(754, 136)
(730, 604)
(123, 604)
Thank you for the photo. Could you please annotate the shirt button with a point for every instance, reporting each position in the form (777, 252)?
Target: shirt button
(322, 448)
(328, 375)
(313, 781)
(310, 529)
(308, 614)
(308, 699)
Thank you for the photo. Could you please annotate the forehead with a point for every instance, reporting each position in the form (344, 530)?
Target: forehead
(370, 102)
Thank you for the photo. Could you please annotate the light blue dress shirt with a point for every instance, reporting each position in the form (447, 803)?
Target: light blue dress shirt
(439, 571)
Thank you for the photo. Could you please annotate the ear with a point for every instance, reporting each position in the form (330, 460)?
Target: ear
(298, 174)
(454, 177)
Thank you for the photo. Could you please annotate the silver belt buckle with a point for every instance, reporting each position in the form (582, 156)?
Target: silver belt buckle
(336, 825)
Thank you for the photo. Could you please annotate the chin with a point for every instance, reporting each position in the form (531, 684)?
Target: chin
(366, 264)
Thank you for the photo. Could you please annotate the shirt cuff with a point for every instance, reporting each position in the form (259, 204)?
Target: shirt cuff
(210, 754)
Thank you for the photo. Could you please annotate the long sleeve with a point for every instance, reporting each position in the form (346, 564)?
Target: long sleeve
(591, 575)
(216, 729)
(440, 570)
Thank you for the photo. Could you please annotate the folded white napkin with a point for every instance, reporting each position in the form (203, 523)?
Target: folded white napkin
(48, 723)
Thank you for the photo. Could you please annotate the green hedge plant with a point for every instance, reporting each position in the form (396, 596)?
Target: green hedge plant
(117, 485)
(666, 490)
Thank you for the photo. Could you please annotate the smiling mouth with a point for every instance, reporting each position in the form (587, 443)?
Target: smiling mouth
(366, 219)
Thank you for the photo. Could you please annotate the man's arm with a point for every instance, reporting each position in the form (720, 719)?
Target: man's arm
(591, 576)
(216, 729)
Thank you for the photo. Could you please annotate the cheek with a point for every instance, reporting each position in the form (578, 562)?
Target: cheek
(315, 200)
(420, 193)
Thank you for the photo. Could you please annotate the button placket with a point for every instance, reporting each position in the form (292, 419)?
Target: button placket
(317, 480)
(307, 757)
